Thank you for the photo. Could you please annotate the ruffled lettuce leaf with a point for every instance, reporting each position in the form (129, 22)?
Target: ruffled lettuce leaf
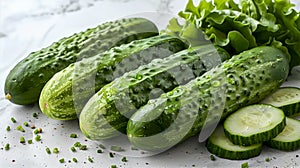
(240, 26)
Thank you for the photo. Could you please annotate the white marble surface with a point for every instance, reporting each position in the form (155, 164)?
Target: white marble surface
(28, 25)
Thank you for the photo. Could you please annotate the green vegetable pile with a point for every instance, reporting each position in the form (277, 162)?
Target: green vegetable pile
(159, 89)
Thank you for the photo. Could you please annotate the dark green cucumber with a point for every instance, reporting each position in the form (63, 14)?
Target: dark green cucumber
(289, 138)
(25, 81)
(244, 79)
(107, 112)
(64, 96)
(254, 124)
(221, 146)
(286, 98)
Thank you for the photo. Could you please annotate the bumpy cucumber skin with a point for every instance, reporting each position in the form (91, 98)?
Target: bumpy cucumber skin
(25, 81)
(64, 95)
(285, 146)
(107, 112)
(218, 150)
(248, 78)
(259, 137)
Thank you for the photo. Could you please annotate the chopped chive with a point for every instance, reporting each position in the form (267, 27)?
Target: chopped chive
(111, 155)
(99, 151)
(102, 146)
(116, 148)
(73, 135)
(29, 141)
(13, 119)
(73, 149)
(124, 159)
(245, 165)
(113, 166)
(22, 140)
(267, 159)
(8, 128)
(62, 160)
(90, 159)
(55, 150)
(77, 144)
(7, 147)
(38, 138)
(83, 147)
(212, 157)
(26, 124)
(75, 160)
(20, 128)
(48, 150)
(134, 148)
(34, 115)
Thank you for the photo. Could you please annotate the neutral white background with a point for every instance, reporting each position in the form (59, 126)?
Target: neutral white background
(28, 25)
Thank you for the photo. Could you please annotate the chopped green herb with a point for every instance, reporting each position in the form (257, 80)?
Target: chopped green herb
(34, 115)
(124, 159)
(116, 148)
(77, 144)
(35, 131)
(73, 149)
(38, 138)
(22, 140)
(111, 155)
(99, 151)
(55, 150)
(8, 128)
(62, 160)
(267, 159)
(134, 148)
(212, 157)
(90, 159)
(13, 119)
(245, 165)
(75, 160)
(20, 128)
(7, 147)
(113, 166)
(73, 135)
(102, 146)
(29, 141)
(82, 147)
(26, 124)
(48, 150)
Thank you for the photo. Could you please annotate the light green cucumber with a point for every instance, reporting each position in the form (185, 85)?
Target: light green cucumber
(107, 112)
(25, 81)
(66, 93)
(244, 79)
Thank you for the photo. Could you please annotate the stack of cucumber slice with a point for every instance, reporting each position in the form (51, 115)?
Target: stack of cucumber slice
(243, 133)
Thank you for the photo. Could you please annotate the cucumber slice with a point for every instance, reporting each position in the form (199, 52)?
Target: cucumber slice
(289, 138)
(221, 146)
(254, 124)
(286, 98)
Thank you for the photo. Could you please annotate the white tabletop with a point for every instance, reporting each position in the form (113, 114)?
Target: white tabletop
(29, 25)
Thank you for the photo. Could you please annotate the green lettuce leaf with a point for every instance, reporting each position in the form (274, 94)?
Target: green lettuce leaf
(240, 26)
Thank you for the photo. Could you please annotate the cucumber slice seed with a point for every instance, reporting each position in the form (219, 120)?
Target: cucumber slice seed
(289, 138)
(286, 98)
(254, 124)
(221, 146)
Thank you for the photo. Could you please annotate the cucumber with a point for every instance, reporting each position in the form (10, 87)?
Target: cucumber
(221, 146)
(67, 92)
(106, 116)
(289, 138)
(244, 79)
(254, 124)
(25, 81)
(286, 98)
